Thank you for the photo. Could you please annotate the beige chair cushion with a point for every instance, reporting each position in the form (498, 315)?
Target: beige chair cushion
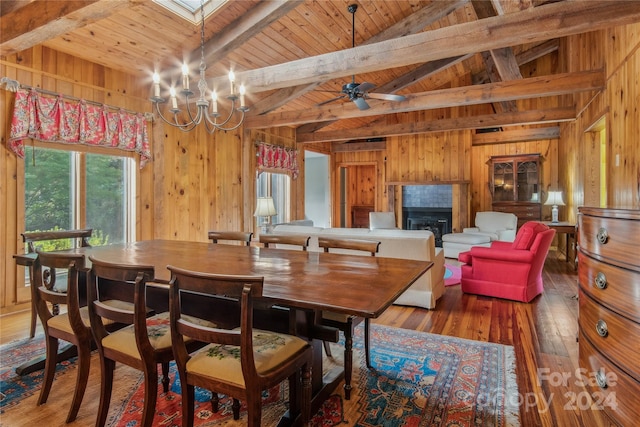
(158, 329)
(223, 361)
(61, 322)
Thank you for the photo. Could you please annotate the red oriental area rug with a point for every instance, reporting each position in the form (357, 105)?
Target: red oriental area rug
(418, 379)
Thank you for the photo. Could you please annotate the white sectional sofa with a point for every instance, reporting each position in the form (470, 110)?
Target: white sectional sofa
(394, 243)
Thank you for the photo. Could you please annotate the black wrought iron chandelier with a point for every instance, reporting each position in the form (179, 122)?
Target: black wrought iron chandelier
(188, 121)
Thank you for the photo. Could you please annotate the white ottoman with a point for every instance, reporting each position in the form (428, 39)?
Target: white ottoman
(455, 243)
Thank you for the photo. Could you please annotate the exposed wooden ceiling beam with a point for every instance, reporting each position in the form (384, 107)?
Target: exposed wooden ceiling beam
(412, 24)
(516, 135)
(41, 20)
(525, 57)
(500, 63)
(537, 24)
(474, 122)
(245, 27)
(422, 72)
(533, 87)
(359, 146)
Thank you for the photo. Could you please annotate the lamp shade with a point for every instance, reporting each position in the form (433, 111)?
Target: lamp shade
(265, 207)
(554, 199)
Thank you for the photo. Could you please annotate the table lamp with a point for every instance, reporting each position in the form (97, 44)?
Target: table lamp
(554, 199)
(265, 208)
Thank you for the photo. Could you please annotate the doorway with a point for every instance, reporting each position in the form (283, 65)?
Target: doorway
(317, 189)
(595, 171)
(357, 194)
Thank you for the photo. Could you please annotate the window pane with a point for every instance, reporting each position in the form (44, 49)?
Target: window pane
(48, 189)
(106, 198)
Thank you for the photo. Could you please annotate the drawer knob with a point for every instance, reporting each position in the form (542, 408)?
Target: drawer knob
(602, 235)
(601, 280)
(601, 328)
(601, 378)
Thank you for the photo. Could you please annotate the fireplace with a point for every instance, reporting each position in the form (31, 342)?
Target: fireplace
(428, 207)
(436, 220)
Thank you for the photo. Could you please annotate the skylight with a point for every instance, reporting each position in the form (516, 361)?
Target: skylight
(190, 9)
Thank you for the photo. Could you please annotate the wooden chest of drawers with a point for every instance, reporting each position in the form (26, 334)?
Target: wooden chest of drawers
(609, 319)
(524, 211)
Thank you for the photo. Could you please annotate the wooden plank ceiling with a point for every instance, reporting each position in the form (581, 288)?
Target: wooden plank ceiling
(294, 55)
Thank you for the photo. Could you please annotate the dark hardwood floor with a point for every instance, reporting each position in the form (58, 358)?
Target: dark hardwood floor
(543, 334)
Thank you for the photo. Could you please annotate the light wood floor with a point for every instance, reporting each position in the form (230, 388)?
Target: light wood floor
(543, 334)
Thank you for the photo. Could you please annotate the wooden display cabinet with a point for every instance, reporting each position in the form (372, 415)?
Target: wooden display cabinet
(515, 184)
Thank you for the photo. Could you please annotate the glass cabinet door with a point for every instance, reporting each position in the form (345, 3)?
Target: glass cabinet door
(503, 181)
(527, 176)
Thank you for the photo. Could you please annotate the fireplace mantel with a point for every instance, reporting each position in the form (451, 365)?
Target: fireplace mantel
(428, 182)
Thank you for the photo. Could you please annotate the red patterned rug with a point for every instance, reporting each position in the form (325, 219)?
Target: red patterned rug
(419, 379)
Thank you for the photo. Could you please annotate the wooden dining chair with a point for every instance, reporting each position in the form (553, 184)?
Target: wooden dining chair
(143, 344)
(287, 241)
(31, 239)
(238, 360)
(235, 236)
(344, 322)
(71, 326)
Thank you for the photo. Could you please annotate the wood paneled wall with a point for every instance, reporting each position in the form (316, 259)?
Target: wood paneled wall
(615, 111)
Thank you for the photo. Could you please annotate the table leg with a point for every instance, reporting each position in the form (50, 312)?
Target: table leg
(65, 352)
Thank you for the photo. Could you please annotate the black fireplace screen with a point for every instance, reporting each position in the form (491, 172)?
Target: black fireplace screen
(436, 220)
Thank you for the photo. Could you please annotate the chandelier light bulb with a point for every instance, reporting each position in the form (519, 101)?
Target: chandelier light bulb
(185, 76)
(242, 92)
(232, 79)
(214, 102)
(156, 85)
(174, 101)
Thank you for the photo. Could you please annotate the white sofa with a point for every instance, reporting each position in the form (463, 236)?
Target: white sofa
(489, 227)
(394, 243)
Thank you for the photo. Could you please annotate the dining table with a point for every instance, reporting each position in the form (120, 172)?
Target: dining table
(301, 284)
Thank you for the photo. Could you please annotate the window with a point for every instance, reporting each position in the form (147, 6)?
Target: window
(277, 186)
(69, 189)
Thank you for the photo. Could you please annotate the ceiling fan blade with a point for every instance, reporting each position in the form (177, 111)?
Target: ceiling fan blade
(330, 100)
(361, 103)
(386, 96)
(364, 86)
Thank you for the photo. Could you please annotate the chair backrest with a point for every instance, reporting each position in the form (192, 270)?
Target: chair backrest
(382, 220)
(45, 290)
(39, 236)
(271, 240)
(494, 221)
(349, 245)
(241, 290)
(238, 236)
(110, 290)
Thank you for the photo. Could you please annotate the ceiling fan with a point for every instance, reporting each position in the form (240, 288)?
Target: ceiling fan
(359, 92)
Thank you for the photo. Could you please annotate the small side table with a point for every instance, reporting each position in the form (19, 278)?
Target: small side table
(566, 228)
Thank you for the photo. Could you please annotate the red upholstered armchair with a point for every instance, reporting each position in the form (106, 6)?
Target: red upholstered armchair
(508, 270)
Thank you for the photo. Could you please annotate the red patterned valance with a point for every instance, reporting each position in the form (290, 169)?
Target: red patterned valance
(275, 157)
(55, 119)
